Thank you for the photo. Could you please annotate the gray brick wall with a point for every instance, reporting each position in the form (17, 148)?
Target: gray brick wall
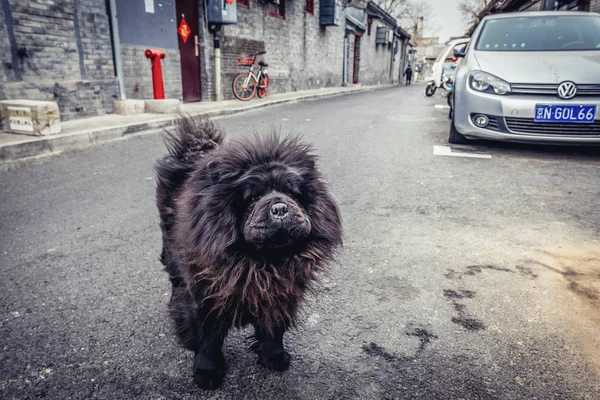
(375, 59)
(6, 66)
(301, 53)
(137, 73)
(44, 31)
(95, 34)
(65, 55)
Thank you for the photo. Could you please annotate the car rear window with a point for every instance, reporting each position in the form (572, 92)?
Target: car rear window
(546, 33)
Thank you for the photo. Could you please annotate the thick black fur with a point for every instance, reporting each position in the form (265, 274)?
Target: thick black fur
(246, 228)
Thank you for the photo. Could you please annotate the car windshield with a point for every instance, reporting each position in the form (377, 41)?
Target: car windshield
(547, 33)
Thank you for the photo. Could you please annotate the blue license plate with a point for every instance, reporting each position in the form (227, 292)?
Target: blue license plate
(565, 113)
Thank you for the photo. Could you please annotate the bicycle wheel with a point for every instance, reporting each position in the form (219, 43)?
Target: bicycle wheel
(241, 90)
(263, 86)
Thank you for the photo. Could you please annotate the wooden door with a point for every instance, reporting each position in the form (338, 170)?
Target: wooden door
(187, 35)
(356, 68)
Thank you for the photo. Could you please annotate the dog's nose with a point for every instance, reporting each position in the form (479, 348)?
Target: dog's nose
(279, 210)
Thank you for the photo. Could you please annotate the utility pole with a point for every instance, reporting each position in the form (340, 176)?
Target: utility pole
(215, 29)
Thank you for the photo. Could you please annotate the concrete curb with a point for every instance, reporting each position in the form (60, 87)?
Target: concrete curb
(22, 154)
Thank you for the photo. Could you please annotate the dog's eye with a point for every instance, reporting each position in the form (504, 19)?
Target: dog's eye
(292, 193)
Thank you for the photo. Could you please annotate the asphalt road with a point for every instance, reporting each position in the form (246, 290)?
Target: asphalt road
(461, 278)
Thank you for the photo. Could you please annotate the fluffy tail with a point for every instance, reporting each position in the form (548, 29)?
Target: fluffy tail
(192, 139)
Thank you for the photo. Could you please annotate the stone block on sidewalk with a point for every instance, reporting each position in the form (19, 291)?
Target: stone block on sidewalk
(129, 107)
(167, 106)
(30, 117)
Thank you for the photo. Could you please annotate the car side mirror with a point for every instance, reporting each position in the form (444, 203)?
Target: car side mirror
(460, 52)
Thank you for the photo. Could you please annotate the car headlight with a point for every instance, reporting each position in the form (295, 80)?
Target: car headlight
(484, 82)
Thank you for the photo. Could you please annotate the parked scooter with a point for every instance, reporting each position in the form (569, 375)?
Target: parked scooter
(442, 64)
(446, 81)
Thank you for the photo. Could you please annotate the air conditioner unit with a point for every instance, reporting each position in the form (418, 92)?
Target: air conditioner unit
(384, 35)
(221, 12)
(389, 36)
(330, 12)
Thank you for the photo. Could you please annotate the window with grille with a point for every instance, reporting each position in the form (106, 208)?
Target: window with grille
(277, 9)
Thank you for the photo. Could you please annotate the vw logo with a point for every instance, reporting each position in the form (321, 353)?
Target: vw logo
(567, 90)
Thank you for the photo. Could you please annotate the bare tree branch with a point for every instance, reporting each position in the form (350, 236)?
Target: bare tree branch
(392, 6)
(409, 12)
(470, 8)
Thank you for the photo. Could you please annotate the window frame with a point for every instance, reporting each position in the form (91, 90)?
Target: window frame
(310, 7)
(277, 10)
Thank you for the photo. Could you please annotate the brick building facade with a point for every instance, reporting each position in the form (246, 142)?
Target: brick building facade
(58, 50)
(63, 51)
(380, 49)
(140, 30)
(301, 53)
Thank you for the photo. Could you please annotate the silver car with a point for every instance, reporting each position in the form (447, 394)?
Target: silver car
(530, 77)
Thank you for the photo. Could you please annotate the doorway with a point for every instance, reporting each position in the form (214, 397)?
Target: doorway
(356, 68)
(187, 35)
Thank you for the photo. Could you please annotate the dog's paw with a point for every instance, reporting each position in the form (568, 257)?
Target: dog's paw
(276, 362)
(209, 373)
(208, 380)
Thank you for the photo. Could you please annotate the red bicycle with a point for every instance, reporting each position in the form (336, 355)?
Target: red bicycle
(247, 84)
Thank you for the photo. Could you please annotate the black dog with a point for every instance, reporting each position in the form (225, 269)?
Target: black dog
(246, 228)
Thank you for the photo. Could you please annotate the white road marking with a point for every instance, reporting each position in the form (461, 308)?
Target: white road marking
(443, 106)
(285, 119)
(447, 151)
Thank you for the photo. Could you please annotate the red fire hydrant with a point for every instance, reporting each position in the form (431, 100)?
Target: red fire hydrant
(157, 78)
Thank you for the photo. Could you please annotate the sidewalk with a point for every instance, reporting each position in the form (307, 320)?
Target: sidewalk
(16, 150)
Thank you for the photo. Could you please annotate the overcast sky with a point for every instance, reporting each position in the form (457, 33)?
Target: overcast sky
(446, 21)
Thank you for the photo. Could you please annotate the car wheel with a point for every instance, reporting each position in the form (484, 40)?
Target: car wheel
(455, 136)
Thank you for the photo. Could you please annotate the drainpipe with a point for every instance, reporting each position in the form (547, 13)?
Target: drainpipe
(117, 47)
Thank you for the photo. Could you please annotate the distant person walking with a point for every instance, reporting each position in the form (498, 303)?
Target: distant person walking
(408, 73)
